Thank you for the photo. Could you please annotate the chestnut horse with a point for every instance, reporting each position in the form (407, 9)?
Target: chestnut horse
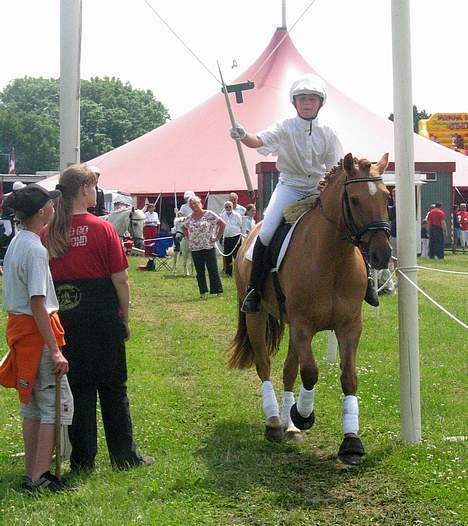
(323, 279)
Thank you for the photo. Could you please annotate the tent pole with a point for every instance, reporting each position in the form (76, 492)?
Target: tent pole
(406, 223)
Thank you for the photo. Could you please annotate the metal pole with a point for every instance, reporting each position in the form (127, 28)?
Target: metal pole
(406, 223)
(70, 51)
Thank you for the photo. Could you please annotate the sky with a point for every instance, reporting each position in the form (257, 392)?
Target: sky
(348, 42)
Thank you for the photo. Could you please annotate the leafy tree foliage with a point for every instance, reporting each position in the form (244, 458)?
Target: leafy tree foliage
(417, 116)
(112, 113)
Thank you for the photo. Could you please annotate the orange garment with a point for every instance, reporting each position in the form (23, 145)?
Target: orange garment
(19, 369)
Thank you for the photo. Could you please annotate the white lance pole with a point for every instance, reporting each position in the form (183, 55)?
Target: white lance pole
(406, 223)
(238, 143)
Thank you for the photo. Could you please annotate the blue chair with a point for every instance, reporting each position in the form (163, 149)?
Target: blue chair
(164, 241)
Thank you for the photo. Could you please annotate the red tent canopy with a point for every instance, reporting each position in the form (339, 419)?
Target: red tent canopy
(195, 151)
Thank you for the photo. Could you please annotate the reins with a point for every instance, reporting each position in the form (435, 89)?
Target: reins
(354, 234)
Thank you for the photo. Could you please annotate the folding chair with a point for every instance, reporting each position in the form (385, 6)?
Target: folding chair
(163, 242)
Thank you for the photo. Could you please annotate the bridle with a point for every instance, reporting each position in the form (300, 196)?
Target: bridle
(354, 234)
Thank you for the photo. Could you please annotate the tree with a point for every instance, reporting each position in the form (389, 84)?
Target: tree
(417, 116)
(112, 114)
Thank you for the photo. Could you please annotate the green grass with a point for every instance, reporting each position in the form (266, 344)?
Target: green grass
(203, 423)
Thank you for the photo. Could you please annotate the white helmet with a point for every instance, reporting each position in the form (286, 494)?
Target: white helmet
(17, 185)
(188, 194)
(308, 85)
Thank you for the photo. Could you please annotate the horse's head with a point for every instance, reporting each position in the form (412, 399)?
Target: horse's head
(137, 220)
(365, 207)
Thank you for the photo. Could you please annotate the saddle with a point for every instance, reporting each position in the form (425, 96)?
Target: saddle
(292, 214)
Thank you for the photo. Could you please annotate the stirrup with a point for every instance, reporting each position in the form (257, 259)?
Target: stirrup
(371, 297)
(252, 301)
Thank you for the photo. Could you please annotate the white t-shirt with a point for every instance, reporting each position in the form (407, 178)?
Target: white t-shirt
(26, 273)
(152, 217)
(305, 150)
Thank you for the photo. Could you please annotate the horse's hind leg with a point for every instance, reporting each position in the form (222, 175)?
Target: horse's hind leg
(290, 370)
(256, 325)
(351, 449)
(174, 263)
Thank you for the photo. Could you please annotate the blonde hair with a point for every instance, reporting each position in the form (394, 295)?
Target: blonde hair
(70, 183)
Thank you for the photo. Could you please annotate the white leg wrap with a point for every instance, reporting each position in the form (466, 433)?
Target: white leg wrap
(270, 404)
(350, 414)
(288, 402)
(305, 402)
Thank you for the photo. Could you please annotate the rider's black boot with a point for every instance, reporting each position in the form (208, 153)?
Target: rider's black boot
(371, 297)
(257, 275)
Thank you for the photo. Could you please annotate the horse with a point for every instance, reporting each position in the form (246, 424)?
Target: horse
(184, 250)
(128, 220)
(323, 281)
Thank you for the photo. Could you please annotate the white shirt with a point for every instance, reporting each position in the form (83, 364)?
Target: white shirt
(233, 223)
(152, 217)
(26, 273)
(185, 210)
(240, 209)
(305, 150)
(247, 224)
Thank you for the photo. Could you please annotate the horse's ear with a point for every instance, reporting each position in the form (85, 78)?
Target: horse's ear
(348, 163)
(383, 163)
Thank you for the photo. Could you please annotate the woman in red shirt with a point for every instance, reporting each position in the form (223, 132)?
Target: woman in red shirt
(89, 269)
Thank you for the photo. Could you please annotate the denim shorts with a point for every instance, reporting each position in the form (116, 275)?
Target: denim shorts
(41, 405)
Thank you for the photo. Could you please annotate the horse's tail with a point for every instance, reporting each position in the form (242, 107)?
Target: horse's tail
(242, 354)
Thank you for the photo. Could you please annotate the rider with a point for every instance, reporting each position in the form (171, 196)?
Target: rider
(306, 150)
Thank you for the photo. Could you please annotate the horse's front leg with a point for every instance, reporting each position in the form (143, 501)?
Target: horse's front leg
(256, 323)
(174, 263)
(302, 412)
(351, 449)
(290, 370)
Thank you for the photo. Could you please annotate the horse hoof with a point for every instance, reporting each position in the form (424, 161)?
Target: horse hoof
(293, 435)
(351, 451)
(299, 421)
(274, 434)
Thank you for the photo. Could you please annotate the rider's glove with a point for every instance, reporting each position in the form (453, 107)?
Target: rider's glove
(238, 133)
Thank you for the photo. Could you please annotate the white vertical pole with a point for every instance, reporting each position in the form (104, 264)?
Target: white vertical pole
(70, 54)
(406, 222)
(332, 347)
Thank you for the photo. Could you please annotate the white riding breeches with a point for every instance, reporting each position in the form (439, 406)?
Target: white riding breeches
(282, 197)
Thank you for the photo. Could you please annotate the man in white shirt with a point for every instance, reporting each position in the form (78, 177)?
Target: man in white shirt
(234, 198)
(232, 235)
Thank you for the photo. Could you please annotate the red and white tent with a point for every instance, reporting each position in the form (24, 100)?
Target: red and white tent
(195, 151)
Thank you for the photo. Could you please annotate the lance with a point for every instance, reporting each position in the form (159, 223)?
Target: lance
(233, 124)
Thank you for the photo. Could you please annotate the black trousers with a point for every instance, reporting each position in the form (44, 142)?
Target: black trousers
(436, 242)
(229, 244)
(207, 258)
(115, 411)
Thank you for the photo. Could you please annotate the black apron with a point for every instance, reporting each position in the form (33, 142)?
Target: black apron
(94, 332)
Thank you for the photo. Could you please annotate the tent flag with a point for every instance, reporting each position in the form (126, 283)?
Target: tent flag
(12, 162)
